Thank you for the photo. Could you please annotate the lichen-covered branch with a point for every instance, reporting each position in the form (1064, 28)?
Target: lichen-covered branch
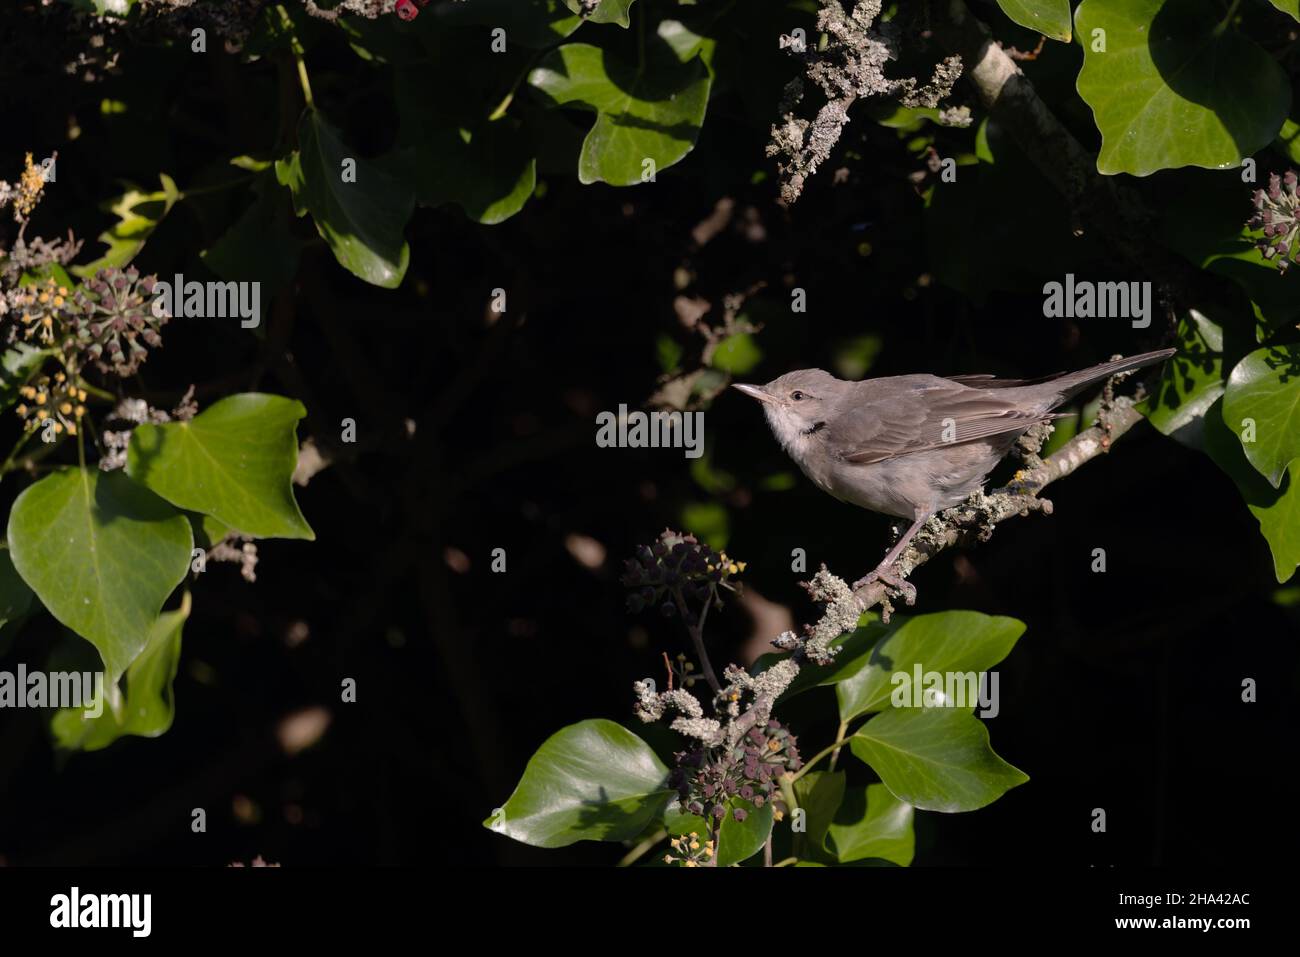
(851, 65)
(974, 520)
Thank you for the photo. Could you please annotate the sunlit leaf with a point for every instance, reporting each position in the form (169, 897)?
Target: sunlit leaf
(937, 759)
(591, 781)
(102, 553)
(233, 461)
(1172, 88)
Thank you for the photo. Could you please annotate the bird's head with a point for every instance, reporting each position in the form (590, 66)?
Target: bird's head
(797, 404)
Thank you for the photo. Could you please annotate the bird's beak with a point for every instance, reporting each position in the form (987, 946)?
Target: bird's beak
(754, 391)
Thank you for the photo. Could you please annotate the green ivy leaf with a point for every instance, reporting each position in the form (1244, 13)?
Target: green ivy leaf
(233, 461)
(950, 641)
(820, 794)
(1051, 18)
(207, 530)
(872, 823)
(138, 215)
(740, 840)
(489, 172)
(687, 44)
(1265, 387)
(937, 759)
(678, 821)
(1276, 510)
(1190, 382)
(146, 709)
(1279, 522)
(1172, 89)
(362, 221)
(102, 553)
(607, 11)
(648, 111)
(591, 781)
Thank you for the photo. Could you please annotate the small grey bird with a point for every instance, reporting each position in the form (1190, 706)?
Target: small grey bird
(913, 445)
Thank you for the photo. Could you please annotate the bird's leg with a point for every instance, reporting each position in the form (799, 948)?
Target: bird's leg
(885, 572)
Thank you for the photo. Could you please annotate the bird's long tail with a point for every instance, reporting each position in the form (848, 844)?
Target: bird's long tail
(1071, 384)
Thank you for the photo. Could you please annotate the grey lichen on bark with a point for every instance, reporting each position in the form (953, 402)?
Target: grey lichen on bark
(851, 65)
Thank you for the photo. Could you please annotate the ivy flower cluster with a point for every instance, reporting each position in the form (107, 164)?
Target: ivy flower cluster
(109, 321)
(44, 312)
(707, 778)
(114, 324)
(1277, 213)
(689, 851)
(674, 568)
(52, 399)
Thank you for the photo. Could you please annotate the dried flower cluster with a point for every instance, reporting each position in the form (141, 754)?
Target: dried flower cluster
(26, 193)
(708, 778)
(741, 757)
(674, 568)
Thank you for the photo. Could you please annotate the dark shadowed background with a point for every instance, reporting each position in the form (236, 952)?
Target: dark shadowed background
(477, 431)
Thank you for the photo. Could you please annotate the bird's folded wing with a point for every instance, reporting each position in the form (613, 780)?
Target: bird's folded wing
(930, 416)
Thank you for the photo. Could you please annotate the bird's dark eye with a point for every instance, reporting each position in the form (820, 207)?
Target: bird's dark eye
(796, 395)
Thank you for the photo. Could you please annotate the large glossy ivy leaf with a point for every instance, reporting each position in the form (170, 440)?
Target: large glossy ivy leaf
(1264, 389)
(1288, 6)
(740, 840)
(872, 823)
(937, 759)
(233, 461)
(1172, 89)
(146, 707)
(949, 641)
(488, 172)
(138, 215)
(1051, 18)
(1276, 510)
(102, 553)
(361, 221)
(591, 781)
(651, 110)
